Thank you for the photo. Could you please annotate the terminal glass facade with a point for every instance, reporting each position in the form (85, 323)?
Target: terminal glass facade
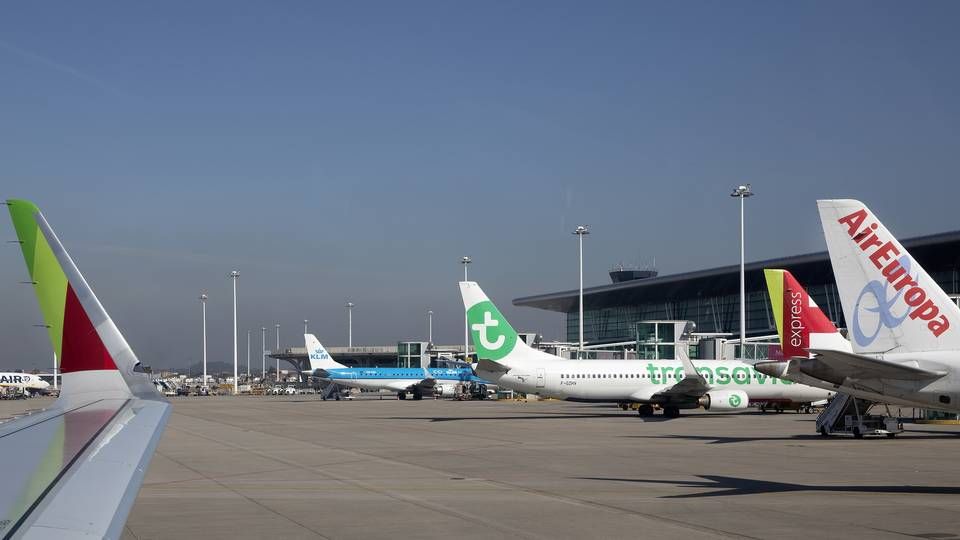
(713, 313)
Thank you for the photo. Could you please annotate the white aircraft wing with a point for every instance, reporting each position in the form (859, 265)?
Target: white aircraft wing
(74, 469)
(693, 385)
(854, 366)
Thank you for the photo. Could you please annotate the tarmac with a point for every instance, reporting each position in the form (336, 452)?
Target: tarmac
(297, 467)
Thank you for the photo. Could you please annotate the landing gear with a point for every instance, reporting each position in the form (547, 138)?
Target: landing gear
(645, 410)
(671, 412)
(417, 394)
(401, 395)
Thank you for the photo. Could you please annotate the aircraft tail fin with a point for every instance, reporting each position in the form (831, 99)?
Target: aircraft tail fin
(801, 324)
(93, 356)
(493, 337)
(890, 302)
(319, 357)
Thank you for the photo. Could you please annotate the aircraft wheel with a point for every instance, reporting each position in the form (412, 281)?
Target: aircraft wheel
(671, 412)
(401, 395)
(417, 396)
(645, 410)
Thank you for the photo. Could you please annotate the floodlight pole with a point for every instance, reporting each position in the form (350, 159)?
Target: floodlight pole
(203, 302)
(742, 192)
(248, 355)
(305, 321)
(234, 275)
(349, 306)
(263, 353)
(581, 231)
(465, 260)
(430, 326)
(278, 351)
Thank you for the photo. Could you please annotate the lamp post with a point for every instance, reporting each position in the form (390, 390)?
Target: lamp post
(742, 192)
(465, 261)
(430, 326)
(203, 302)
(278, 350)
(234, 276)
(581, 231)
(350, 324)
(248, 355)
(305, 321)
(263, 353)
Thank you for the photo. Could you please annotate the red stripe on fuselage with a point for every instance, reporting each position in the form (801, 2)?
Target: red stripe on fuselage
(82, 349)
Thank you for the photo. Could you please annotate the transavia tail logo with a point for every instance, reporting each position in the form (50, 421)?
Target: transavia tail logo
(895, 271)
(734, 400)
(492, 335)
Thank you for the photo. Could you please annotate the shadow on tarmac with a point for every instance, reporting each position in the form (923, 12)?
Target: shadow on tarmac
(539, 416)
(724, 486)
(719, 439)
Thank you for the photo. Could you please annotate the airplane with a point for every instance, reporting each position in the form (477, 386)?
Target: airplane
(81, 461)
(30, 384)
(904, 347)
(416, 381)
(672, 384)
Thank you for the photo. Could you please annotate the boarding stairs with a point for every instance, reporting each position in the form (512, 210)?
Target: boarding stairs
(847, 414)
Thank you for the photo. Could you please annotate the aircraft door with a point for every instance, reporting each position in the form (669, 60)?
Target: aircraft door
(541, 373)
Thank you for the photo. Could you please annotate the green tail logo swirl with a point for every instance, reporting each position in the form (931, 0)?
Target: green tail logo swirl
(493, 336)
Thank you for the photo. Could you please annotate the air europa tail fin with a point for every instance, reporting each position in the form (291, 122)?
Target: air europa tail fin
(801, 324)
(493, 337)
(890, 302)
(319, 357)
(92, 353)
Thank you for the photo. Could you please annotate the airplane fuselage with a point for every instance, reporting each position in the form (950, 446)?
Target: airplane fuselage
(640, 380)
(25, 381)
(399, 379)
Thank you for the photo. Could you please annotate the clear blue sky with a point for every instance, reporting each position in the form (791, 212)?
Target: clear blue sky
(335, 151)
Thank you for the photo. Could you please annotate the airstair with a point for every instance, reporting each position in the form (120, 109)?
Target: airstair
(848, 415)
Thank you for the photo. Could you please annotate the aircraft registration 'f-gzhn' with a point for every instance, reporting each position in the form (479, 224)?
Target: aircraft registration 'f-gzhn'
(76, 466)
(904, 346)
(671, 384)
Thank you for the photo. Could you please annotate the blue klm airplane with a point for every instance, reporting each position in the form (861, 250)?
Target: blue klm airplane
(416, 381)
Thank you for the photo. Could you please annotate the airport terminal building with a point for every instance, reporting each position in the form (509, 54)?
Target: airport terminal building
(711, 298)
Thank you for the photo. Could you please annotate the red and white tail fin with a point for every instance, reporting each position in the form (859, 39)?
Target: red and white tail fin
(94, 358)
(889, 301)
(801, 324)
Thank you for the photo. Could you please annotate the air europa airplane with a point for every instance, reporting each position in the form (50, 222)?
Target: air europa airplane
(671, 384)
(904, 347)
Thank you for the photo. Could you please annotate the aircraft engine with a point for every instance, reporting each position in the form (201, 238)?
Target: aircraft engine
(725, 400)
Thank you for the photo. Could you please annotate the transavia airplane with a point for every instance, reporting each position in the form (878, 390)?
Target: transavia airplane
(416, 381)
(905, 346)
(671, 384)
(30, 384)
(79, 463)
